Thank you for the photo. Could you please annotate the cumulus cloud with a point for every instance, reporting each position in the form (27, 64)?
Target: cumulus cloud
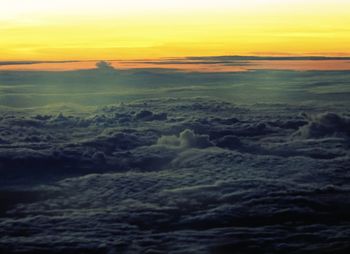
(325, 124)
(104, 65)
(186, 139)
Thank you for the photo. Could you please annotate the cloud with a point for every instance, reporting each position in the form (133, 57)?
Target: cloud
(186, 139)
(146, 115)
(211, 176)
(325, 125)
(229, 141)
(104, 65)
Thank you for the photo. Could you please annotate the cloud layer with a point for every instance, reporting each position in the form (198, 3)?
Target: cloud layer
(175, 175)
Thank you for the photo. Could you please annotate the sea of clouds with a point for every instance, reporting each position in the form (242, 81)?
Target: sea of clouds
(175, 175)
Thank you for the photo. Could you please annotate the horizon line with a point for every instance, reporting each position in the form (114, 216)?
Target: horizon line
(197, 57)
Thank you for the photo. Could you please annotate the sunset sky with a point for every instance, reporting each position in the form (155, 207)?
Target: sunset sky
(110, 29)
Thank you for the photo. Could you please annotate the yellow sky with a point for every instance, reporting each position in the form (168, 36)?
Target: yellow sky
(113, 29)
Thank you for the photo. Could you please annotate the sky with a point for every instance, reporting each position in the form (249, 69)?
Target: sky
(135, 29)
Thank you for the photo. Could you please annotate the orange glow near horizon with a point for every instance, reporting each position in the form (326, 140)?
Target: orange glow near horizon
(134, 29)
(191, 65)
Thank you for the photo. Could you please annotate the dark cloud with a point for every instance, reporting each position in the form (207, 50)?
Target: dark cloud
(104, 65)
(229, 142)
(176, 173)
(146, 115)
(247, 58)
(325, 124)
(201, 61)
